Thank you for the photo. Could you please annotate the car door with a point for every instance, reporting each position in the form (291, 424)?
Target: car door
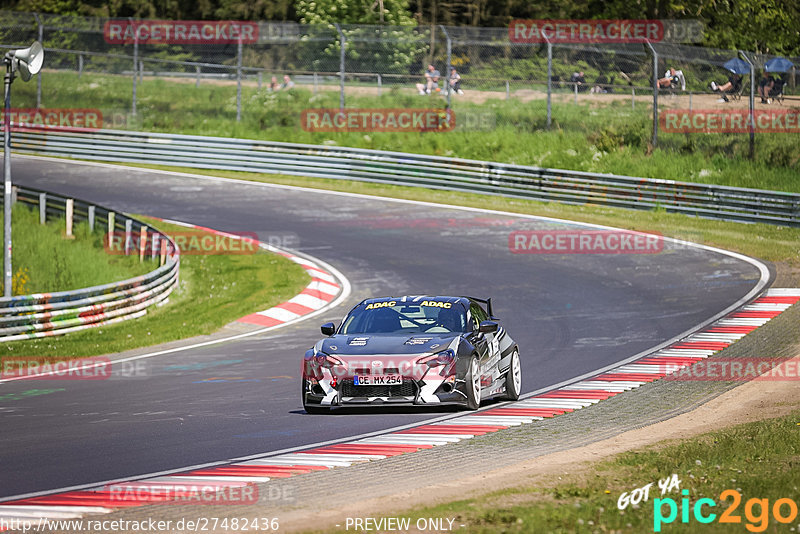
(485, 343)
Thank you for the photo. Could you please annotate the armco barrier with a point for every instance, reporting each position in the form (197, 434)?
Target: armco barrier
(571, 187)
(48, 314)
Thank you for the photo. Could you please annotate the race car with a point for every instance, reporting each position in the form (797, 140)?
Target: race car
(412, 350)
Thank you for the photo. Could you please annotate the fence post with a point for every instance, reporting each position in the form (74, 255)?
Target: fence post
(80, 66)
(90, 216)
(70, 209)
(197, 80)
(142, 242)
(141, 71)
(575, 90)
(128, 230)
(549, 82)
(752, 126)
(449, 61)
(315, 84)
(342, 42)
(42, 208)
(239, 81)
(655, 93)
(135, 62)
(380, 83)
(260, 76)
(39, 76)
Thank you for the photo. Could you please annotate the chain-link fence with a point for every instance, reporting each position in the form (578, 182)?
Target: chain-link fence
(131, 68)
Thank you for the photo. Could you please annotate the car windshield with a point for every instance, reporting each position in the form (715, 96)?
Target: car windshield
(395, 317)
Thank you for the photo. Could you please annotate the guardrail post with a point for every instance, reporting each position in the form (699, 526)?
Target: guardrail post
(42, 208)
(80, 66)
(154, 245)
(239, 81)
(128, 230)
(379, 84)
(111, 225)
(142, 242)
(70, 207)
(14, 190)
(90, 216)
(141, 71)
(197, 79)
(39, 75)
(342, 43)
(508, 90)
(575, 90)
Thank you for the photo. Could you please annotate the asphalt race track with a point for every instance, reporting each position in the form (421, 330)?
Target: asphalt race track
(570, 314)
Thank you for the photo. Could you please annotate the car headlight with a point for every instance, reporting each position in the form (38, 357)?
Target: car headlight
(326, 360)
(445, 357)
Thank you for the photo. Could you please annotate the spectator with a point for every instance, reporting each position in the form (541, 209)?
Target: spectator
(287, 82)
(732, 86)
(431, 81)
(578, 79)
(599, 84)
(273, 85)
(671, 79)
(765, 86)
(455, 81)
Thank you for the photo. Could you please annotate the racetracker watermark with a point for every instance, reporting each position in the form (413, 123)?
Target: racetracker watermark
(208, 493)
(583, 242)
(585, 31)
(55, 118)
(189, 242)
(734, 370)
(378, 120)
(180, 32)
(729, 121)
(96, 368)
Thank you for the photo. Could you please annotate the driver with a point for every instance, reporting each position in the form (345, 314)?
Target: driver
(449, 319)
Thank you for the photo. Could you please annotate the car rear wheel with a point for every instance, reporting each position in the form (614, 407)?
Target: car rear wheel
(513, 378)
(472, 381)
(311, 408)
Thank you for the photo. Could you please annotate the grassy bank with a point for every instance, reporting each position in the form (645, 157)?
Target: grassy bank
(757, 460)
(598, 136)
(44, 260)
(214, 290)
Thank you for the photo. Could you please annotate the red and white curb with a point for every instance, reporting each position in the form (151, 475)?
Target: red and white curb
(683, 353)
(323, 289)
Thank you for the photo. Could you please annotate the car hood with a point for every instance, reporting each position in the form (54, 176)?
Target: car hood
(379, 344)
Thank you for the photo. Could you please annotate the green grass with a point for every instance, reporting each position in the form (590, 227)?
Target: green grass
(609, 138)
(44, 260)
(759, 460)
(214, 290)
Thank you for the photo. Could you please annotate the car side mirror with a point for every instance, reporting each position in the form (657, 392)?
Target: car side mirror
(328, 329)
(487, 327)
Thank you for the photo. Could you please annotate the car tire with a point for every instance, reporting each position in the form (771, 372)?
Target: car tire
(313, 409)
(472, 384)
(513, 378)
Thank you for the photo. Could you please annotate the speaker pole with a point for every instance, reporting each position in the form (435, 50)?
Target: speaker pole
(9, 77)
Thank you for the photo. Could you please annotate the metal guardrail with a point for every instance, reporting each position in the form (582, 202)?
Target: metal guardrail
(48, 314)
(518, 181)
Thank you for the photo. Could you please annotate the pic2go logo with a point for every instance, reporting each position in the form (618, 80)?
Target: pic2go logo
(756, 511)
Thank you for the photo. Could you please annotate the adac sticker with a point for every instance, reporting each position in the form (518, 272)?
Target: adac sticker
(376, 305)
(436, 304)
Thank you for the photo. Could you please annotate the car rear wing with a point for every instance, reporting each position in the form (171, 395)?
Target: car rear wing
(487, 303)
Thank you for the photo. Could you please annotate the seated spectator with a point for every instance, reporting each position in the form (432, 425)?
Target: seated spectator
(671, 80)
(455, 81)
(765, 85)
(273, 85)
(287, 82)
(431, 81)
(732, 86)
(777, 87)
(599, 84)
(579, 81)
